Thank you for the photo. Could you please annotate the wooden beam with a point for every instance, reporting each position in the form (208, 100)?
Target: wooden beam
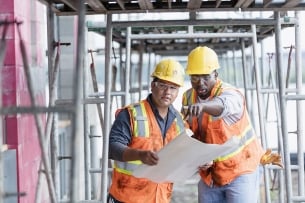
(247, 3)
(266, 3)
(265, 30)
(218, 2)
(194, 4)
(96, 5)
(121, 4)
(239, 3)
(145, 5)
(291, 3)
(169, 4)
(71, 4)
(53, 8)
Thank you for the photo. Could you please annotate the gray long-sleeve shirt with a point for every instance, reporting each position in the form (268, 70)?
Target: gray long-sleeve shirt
(233, 103)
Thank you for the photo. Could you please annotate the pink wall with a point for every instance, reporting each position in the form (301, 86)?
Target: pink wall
(21, 132)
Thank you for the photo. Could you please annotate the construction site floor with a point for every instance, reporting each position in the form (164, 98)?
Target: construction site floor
(186, 192)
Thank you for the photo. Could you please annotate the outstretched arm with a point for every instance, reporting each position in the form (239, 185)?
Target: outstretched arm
(213, 107)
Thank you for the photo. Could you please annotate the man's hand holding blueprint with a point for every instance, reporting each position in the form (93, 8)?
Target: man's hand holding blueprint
(181, 158)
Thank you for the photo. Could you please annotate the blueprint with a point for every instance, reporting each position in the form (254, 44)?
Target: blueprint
(180, 159)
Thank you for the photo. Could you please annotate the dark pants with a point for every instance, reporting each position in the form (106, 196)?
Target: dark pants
(111, 199)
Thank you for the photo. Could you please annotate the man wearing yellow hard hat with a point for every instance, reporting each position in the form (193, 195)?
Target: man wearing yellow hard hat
(216, 112)
(142, 129)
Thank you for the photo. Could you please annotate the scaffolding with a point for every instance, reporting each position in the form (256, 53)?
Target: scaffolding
(257, 91)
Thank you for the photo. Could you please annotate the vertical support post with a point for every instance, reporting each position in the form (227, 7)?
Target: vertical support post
(86, 136)
(51, 75)
(108, 75)
(94, 163)
(141, 69)
(258, 86)
(259, 104)
(282, 101)
(227, 70)
(122, 72)
(128, 53)
(263, 64)
(299, 106)
(245, 75)
(234, 67)
(75, 189)
(149, 70)
(54, 142)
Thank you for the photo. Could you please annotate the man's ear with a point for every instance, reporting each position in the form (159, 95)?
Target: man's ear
(152, 85)
(216, 74)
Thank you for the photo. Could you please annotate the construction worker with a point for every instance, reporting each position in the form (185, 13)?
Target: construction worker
(142, 129)
(216, 112)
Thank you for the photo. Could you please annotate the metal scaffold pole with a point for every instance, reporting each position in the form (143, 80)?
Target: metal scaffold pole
(260, 106)
(106, 130)
(51, 117)
(282, 104)
(76, 135)
(53, 72)
(245, 75)
(127, 66)
(299, 106)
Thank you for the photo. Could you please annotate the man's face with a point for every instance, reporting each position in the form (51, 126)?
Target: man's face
(164, 93)
(203, 84)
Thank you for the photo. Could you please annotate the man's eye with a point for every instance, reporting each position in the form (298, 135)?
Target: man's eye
(162, 86)
(195, 78)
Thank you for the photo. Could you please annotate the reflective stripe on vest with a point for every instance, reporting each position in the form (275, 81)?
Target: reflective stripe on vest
(189, 97)
(245, 138)
(179, 123)
(126, 167)
(140, 120)
(141, 128)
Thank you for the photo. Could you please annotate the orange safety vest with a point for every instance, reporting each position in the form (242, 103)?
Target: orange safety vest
(146, 134)
(245, 158)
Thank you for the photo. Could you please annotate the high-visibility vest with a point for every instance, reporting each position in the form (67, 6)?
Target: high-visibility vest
(243, 159)
(146, 135)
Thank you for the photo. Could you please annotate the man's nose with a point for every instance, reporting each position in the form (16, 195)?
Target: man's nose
(202, 81)
(167, 89)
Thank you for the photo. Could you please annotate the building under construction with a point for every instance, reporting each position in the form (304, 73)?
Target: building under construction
(67, 65)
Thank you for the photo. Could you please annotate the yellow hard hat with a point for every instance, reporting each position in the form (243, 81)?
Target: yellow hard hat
(169, 70)
(202, 60)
